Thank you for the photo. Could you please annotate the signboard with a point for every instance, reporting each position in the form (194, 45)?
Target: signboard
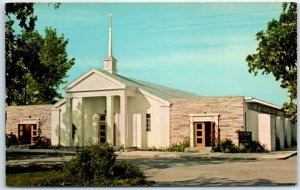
(245, 138)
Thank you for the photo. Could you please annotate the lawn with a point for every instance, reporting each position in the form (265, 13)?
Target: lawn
(95, 165)
(54, 178)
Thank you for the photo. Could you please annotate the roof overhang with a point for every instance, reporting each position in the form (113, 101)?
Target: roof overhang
(254, 100)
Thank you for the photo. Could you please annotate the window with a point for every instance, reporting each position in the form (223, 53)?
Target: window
(148, 122)
(34, 130)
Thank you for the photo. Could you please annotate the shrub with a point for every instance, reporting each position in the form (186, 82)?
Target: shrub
(91, 163)
(96, 166)
(124, 170)
(11, 139)
(256, 146)
(179, 147)
(227, 146)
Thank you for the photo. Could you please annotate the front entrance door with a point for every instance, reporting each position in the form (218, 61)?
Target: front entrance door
(26, 132)
(204, 134)
(199, 134)
(102, 128)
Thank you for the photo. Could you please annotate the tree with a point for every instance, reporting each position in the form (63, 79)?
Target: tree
(35, 65)
(46, 64)
(277, 54)
(22, 12)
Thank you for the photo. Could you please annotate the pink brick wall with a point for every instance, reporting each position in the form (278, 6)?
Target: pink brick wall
(14, 114)
(231, 120)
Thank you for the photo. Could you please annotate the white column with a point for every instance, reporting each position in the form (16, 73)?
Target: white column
(123, 120)
(82, 123)
(110, 119)
(69, 119)
(134, 130)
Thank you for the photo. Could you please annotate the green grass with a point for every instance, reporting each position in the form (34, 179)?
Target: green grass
(55, 179)
(33, 179)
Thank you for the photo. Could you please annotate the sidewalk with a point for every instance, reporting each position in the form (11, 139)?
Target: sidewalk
(217, 155)
(284, 154)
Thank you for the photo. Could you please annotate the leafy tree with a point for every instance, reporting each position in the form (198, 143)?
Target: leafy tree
(46, 64)
(35, 65)
(277, 54)
(22, 12)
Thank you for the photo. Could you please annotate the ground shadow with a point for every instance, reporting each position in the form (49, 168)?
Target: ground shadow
(207, 181)
(163, 163)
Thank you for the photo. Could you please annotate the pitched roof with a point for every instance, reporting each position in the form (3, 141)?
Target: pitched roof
(160, 91)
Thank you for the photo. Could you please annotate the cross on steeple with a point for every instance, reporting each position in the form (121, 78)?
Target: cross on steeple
(110, 18)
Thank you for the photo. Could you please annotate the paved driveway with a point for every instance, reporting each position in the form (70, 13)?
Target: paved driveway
(189, 171)
(206, 172)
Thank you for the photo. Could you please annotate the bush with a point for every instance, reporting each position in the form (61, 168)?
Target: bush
(227, 146)
(91, 163)
(96, 166)
(256, 146)
(124, 170)
(179, 147)
(11, 139)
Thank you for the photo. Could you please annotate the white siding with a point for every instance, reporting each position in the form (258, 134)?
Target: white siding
(164, 126)
(287, 132)
(280, 131)
(63, 128)
(138, 107)
(265, 130)
(55, 126)
(252, 123)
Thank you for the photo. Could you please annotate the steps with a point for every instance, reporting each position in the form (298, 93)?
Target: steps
(201, 150)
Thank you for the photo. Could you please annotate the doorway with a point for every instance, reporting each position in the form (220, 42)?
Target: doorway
(27, 133)
(102, 128)
(204, 134)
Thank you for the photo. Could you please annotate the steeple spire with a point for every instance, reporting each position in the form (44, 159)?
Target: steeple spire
(110, 63)
(110, 35)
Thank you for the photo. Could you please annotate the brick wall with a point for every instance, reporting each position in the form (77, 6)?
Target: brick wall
(231, 120)
(14, 114)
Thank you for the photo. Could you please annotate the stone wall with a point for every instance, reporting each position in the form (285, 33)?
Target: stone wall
(16, 114)
(231, 120)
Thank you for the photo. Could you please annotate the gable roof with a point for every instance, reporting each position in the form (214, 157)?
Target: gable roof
(160, 91)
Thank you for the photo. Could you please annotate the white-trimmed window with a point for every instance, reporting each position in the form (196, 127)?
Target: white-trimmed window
(148, 122)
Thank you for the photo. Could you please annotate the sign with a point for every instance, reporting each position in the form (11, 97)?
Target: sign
(245, 138)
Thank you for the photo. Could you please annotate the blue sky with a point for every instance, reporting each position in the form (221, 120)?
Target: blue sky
(197, 47)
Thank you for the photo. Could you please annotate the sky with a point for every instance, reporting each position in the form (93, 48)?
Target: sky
(196, 47)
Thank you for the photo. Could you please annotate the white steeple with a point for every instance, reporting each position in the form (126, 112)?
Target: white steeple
(110, 63)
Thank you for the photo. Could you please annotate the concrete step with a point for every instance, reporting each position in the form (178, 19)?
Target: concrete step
(201, 150)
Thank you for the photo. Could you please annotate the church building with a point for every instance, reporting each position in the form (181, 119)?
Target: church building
(103, 106)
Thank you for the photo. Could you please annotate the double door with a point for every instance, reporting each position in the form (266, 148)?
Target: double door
(204, 134)
(27, 133)
(102, 129)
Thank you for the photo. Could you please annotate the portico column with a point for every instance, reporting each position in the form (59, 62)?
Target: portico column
(110, 119)
(123, 120)
(69, 119)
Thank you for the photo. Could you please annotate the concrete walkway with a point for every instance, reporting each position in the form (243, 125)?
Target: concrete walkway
(214, 156)
(156, 154)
